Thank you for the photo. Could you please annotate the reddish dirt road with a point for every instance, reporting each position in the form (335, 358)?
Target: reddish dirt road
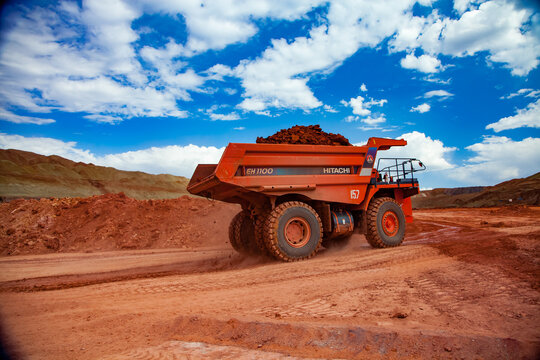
(465, 284)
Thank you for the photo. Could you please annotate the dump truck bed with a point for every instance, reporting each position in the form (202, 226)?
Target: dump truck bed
(320, 172)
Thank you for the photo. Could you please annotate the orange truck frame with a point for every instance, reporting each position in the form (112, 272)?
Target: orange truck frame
(296, 198)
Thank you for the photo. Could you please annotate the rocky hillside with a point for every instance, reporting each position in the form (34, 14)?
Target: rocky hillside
(27, 175)
(524, 191)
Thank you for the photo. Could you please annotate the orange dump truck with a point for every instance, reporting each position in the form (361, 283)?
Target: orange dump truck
(296, 198)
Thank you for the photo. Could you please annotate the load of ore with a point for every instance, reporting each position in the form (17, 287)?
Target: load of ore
(311, 135)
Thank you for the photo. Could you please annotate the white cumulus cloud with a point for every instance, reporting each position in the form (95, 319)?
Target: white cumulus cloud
(358, 106)
(432, 152)
(463, 5)
(109, 119)
(374, 123)
(374, 120)
(361, 107)
(19, 119)
(423, 63)
(224, 117)
(528, 117)
(278, 78)
(438, 93)
(89, 57)
(83, 58)
(503, 29)
(422, 108)
(497, 27)
(39, 54)
(216, 24)
(499, 158)
(329, 109)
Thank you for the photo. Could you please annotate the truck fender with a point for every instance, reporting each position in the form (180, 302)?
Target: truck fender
(370, 192)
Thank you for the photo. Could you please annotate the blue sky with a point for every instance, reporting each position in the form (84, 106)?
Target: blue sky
(161, 86)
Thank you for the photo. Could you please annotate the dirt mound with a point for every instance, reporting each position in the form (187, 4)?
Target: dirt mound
(24, 174)
(109, 222)
(311, 134)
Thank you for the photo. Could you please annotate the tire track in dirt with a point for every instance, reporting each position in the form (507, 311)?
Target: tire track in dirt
(438, 295)
(455, 289)
(445, 232)
(317, 308)
(58, 282)
(275, 273)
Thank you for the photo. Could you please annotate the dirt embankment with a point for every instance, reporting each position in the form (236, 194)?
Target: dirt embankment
(109, 222)
(524, 191)
(311, 134)
(24, 174)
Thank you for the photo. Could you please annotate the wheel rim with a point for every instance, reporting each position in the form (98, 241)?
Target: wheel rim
(297, 232)
(390, 223)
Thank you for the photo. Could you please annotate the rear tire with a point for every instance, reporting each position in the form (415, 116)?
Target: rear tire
(293, 231)
(385, 223)
(260, 220)
(242, 233)
(233, 239)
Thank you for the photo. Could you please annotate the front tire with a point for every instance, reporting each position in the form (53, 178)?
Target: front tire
(293, 231)
(385, 223)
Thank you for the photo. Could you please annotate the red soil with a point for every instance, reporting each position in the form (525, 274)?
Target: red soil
(109, 222)
(462, 286)
(312, 135)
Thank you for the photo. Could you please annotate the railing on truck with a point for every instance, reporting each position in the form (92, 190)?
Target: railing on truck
(399, 171)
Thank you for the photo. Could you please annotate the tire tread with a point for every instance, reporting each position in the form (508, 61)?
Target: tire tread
(270, 231)
(260, 221)
(234, 233)
(372, 236)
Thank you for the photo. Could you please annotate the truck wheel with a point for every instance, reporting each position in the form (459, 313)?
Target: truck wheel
(233, 238)
(259, 234)
(242, 233)
(385, 223)
(293, 231)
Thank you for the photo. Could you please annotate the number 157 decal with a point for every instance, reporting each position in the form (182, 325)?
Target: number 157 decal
(355, 194)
